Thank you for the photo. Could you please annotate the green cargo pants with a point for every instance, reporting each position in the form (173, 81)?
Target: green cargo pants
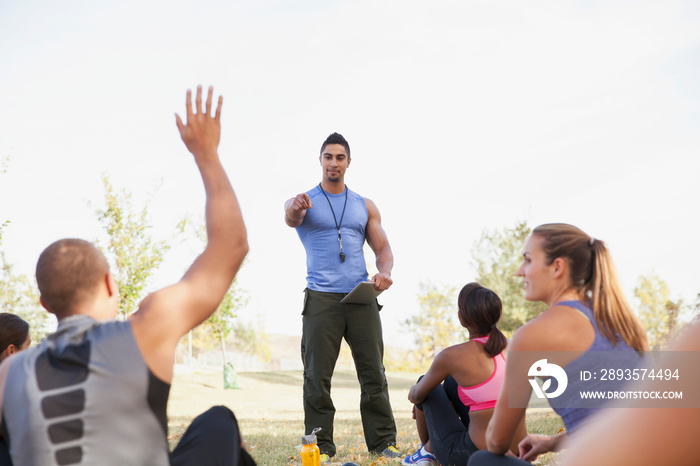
(326, 322)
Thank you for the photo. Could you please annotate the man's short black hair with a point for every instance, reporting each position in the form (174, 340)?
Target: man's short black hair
(336, 138)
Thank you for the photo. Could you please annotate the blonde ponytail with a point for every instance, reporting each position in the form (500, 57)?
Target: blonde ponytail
(611, 310)
(593, 274)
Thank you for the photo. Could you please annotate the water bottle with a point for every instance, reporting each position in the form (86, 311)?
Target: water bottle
(310, 454)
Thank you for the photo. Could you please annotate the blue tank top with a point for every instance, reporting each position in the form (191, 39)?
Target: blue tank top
(573, 410)
(318, 233)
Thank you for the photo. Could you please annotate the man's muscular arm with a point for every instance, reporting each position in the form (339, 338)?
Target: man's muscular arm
(166, 315)
(295, 209)
(378, 241)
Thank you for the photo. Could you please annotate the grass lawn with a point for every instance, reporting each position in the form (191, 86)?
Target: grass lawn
(269, 410)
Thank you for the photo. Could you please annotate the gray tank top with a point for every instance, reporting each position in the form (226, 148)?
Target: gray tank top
(85, 396)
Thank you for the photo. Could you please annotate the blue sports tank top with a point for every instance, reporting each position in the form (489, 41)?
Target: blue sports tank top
(318, 233)
(573, 410)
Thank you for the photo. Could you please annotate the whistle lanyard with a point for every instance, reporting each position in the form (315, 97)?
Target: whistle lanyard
(337, 225)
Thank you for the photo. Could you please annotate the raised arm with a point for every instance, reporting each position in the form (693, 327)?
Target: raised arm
(166, 315)
(378, 241)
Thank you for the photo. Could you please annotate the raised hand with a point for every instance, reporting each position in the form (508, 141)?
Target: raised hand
(202, 132)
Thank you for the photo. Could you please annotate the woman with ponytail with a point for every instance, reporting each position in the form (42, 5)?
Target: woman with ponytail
(454, 400)
(588, 319)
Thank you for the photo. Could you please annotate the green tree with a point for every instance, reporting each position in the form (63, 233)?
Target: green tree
(658, 313)
(436, 326)
(497, 256)
(18, 295)
(132, 251)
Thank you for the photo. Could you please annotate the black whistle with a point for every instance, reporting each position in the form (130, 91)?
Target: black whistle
(342, 257)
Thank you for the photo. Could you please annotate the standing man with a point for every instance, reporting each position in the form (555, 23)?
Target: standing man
(96, 390)
(333, 224)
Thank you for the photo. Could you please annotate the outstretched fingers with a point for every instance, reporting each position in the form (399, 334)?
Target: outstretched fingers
(201, 131)
(198, 104)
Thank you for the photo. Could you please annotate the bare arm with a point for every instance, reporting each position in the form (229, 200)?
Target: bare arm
(166, 315)
(506, 421)
(378, 241)
(439, 370)
(295, 209)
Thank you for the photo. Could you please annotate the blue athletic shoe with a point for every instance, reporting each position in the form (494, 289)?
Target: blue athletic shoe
(419, 458)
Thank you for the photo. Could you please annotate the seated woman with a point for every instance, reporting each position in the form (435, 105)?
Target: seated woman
(454, 400)
(14, 337)
(574, 275)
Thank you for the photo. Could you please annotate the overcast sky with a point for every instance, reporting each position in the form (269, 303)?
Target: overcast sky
(462, 116)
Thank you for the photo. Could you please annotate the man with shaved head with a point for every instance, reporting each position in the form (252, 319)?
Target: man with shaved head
(69, 273)
(96, 391)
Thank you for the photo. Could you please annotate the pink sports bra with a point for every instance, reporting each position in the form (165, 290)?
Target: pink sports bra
(484, 395)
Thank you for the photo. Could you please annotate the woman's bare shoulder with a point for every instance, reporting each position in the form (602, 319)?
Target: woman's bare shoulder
(558, 328)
